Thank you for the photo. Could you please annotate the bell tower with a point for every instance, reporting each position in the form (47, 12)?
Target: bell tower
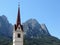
(18, 30)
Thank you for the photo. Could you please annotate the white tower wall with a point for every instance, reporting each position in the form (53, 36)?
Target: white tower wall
(17, 40)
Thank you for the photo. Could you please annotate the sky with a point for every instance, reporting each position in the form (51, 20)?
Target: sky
(44, 11)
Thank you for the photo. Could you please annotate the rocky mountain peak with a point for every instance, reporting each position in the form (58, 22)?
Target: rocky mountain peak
(33, 29)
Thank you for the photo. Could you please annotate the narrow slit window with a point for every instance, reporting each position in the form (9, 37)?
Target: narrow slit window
(19, 35)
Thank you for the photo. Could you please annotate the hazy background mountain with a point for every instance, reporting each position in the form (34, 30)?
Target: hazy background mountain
(5, 27)
(34, 33)
(5, 31)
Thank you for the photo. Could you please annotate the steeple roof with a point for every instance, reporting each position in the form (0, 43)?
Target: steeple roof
(18, 17)
(18, 22)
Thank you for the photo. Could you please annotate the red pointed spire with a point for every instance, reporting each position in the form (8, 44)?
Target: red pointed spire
(18, 23)
(18, 16)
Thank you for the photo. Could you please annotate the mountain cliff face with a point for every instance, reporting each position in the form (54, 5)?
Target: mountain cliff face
(5, 27)
(33, 29)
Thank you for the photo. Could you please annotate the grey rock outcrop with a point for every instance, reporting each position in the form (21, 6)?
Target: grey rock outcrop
(33, 29)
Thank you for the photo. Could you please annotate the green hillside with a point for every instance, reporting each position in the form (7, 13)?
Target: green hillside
(4, 40)
(44, 40)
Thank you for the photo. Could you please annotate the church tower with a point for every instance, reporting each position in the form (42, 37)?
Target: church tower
(18, 31)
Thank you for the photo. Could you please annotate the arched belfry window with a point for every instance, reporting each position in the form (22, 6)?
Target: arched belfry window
(19, 35)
